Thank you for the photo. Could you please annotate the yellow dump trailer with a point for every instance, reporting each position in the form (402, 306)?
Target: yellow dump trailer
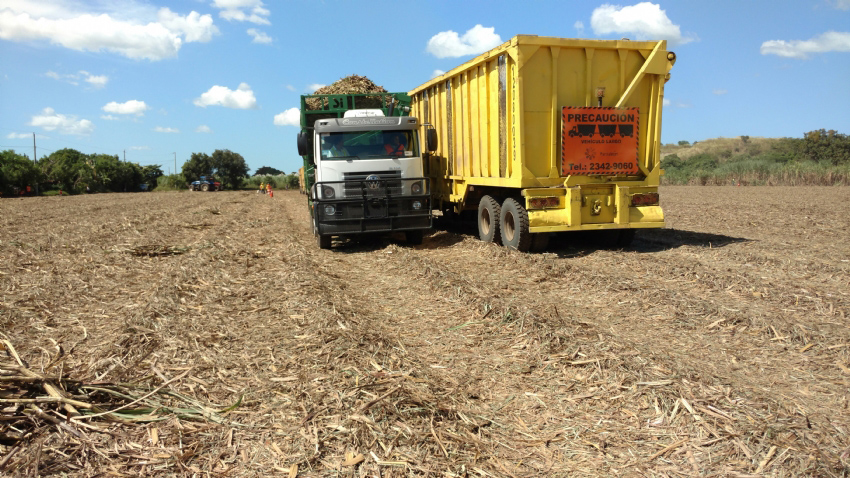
(545, 134)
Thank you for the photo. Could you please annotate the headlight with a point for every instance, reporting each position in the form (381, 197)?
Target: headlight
(416, 205)
(330, 210)
(416, 188)
(327, 192)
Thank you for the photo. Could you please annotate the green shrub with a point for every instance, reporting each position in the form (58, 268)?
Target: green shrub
(171, 182)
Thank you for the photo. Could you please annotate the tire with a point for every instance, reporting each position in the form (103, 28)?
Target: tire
(514, 226)
(205, 187)
(324, 241)
(539, 242)
(414, 238)
(489, 214)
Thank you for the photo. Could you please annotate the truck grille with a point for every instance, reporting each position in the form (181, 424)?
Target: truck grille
(356, 184)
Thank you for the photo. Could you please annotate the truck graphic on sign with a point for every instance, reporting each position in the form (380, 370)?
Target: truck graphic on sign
(582, 130)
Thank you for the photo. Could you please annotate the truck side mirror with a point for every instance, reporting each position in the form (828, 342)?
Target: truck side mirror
(303, 144)
(431, 140)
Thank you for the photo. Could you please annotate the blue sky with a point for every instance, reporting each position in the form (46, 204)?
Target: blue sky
(158, 80)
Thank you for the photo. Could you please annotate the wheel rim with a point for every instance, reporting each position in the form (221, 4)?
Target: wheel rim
(485, 221)
(508, 226)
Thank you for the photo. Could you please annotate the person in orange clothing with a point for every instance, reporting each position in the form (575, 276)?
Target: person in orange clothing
(395, 147)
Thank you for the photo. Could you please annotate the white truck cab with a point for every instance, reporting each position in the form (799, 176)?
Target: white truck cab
(368, 176)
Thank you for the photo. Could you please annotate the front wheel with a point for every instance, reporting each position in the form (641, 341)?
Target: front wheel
(414, 238)
(323, 240)
(514, 222)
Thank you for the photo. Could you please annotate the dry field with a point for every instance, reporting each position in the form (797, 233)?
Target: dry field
(205, 334)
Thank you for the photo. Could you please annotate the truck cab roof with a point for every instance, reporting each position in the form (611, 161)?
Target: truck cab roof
(337, 125)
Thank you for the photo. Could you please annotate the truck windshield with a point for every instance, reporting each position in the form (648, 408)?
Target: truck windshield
(369, 145)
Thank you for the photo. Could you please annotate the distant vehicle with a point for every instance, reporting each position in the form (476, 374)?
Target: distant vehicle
(205, 184)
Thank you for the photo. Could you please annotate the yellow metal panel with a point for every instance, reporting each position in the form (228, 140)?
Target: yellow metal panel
(646, 214)
(622, 203)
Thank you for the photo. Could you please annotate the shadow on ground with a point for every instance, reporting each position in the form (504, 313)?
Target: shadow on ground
(585, 242)
(564, 244)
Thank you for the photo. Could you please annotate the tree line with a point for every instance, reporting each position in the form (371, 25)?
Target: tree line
(73, 172)
(820, 157)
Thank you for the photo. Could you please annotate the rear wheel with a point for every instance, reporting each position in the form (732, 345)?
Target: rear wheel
(488, 220)
(514, 226)
(205, 187)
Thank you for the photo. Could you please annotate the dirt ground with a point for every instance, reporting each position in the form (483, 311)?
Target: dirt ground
(205, 334)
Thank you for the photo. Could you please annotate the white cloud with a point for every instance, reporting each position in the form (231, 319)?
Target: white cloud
(646, 21)
(720, 91)
(71, 78)
(49, 120)
(135, 31)
(289, 87)
(477, 39)
(315, 86)
(437, 73)
(237, 10)
(290, 117)
(194, 26)
(259, 37)
(241, 99)
(109, 117)
(139, 148)
(25, 136)
(203, 129)
(842, 4)
(665, 102)
(160, 129)
(824, 43)
(96, 81)
(132, 107)
(579, 26)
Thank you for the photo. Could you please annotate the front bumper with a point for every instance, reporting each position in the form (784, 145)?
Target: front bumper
(359, 207)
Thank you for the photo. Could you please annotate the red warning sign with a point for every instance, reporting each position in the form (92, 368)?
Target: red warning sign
(599, 140)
